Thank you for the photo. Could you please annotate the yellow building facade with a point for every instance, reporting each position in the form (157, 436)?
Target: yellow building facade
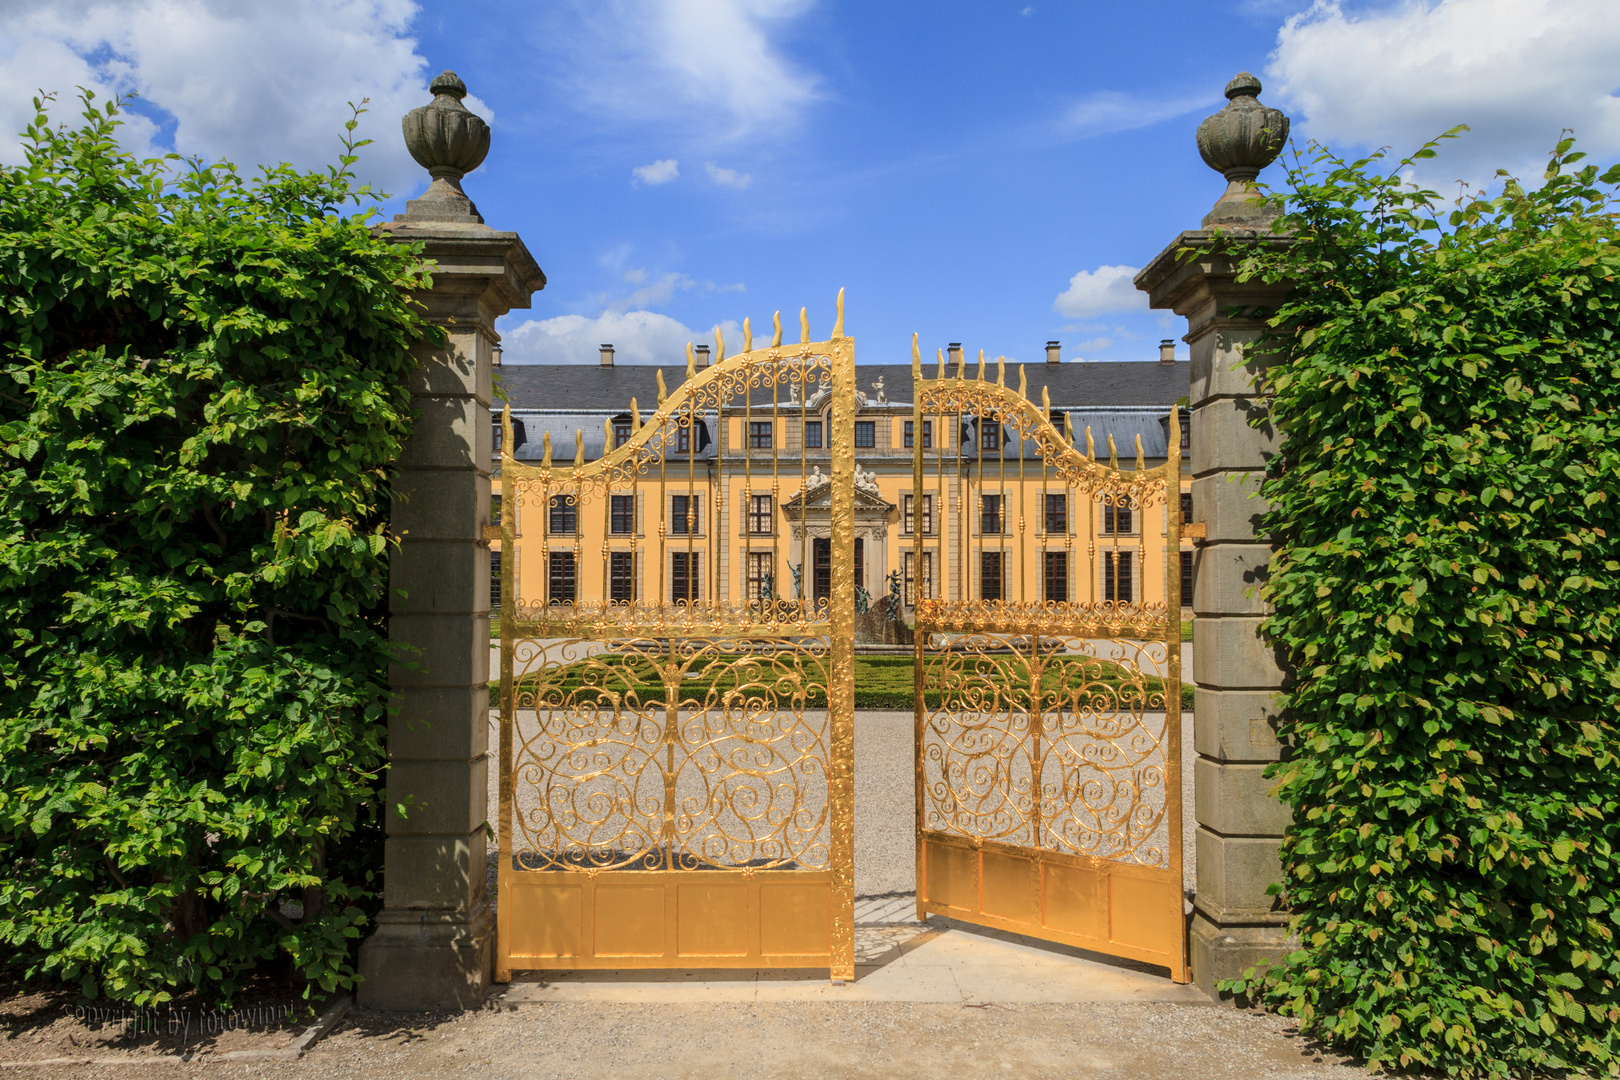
(740, 509)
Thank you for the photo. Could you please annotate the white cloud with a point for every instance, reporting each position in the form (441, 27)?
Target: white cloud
(710, 64)
(728, 177)
(1108, 111)
(1095, 344)
(659, 172)
(638, 337)
(1516, 71)
(1094, 292)
(255, 81)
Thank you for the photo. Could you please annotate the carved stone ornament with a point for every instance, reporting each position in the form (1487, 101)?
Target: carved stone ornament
(1238, 142)
(449, 141)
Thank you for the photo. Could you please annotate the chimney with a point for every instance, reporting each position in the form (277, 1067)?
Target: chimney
(1054, 352)
(495, 356)
(953, 354)
(607, 356)
(702, 360)
(1167, 351)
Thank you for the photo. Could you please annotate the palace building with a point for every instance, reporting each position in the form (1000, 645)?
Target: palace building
(745, 504)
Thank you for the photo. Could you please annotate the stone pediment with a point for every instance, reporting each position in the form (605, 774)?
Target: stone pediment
(816, 494)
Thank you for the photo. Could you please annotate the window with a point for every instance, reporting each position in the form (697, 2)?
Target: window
(683, 439)
(684, 514)
(495, 583)
(683, 577)
(561, 577)
(761, 586)
(908, 566)
(621, 432)
(990, 514)
(621, 576)
(812, 434)
(989, 435)
(865, 433)
(564, 515)
(761, 522)
(759, 435)
(622, 515)
(1186, 508)
(989, 575)
(1117, 576)
(928, 433)
(1056, 417)
(495, 426)
(1057, 576)
(1057, 513)
(1186, 430)
(1186, 579)
(1117, 519)
(906, 524)
(494, 509)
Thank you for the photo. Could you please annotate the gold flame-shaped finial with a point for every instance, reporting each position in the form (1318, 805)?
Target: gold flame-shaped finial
(961, 364)
(1001, 371)
(507, 449)
(1046, 398)
(916, 358)
(607, 436)
(1091, 445)
(941, 363)
(635, 417)
(691, 361)
(579, 447)
(1068, 428)
(545, 442)
(748, 336)
(1140, 462)
(838, 324)
(804, 326)
(776, 340)
(719, 346)
(1113, 452)
(981, 365)
(658, 373)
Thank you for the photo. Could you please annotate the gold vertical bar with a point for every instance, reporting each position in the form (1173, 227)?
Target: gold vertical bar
(746, 502)
(841, 692)
(804, 472)
(503, 839)
(1179, 969)
(919, 636)
(607, 521)
(777, 437)
(1023, 550)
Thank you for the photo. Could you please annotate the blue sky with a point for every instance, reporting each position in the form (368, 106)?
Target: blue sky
(678, 164)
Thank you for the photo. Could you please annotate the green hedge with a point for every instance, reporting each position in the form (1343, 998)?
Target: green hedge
(202, 387)
(1448, 517)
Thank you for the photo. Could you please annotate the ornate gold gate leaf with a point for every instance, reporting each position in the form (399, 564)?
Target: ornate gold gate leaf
(667, 798)
(1048, 750)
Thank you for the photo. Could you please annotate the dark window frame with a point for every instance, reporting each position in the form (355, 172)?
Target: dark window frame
(760, 435)
(622, 515)
(987, 560)
(562, 578)
(685, 569)
(812, 426)
(564, 517)
(990, 436)
(865, 434)
(1057, 584)
(756, 580)
(678, 518)
(989, 517)
(621, 577)
(1057, 513)
(761, 515)
(1118, 578)
(1186, 579)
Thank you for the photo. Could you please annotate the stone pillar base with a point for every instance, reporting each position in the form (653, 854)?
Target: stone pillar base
(429, 961)
(1220, 953)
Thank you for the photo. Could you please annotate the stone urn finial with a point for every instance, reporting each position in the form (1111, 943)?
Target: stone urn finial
(449, 141)
(1238, 142)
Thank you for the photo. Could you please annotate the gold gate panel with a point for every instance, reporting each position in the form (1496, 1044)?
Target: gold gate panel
(1048, 715)
(676, 763)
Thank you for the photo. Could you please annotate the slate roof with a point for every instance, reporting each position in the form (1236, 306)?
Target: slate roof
(1071, 385)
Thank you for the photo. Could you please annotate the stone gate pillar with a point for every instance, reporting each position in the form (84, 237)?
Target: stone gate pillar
(433, 944)
(1235, 924)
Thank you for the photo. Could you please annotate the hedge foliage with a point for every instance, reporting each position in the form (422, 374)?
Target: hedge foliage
(1448, 521)
(202, 387)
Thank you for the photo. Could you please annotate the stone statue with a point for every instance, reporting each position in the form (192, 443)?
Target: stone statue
(815, 479)
(877, 386)
(798, 579)
(863, 601)
(894, 596)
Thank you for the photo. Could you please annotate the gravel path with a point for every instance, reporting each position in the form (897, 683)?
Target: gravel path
(724, 1041)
